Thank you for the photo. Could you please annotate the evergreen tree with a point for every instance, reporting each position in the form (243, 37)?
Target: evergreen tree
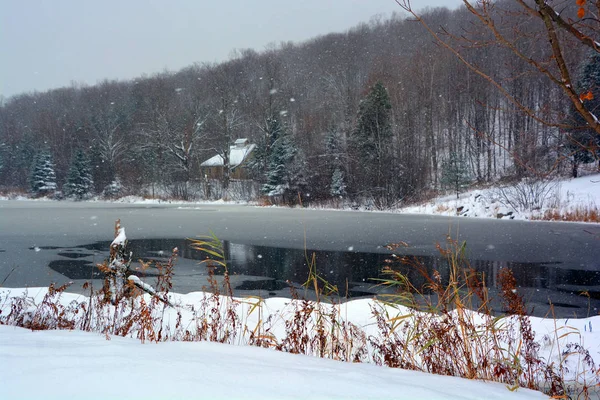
(589, 81)
(277, 162)
(282, 154)
(43, 177)
(582, 144)
(455, 174)
(333, 148)
(338, 184)
(79, 181)
(371, 141)
(259, 165)
(335, 164)
(334, 156)
(113, 189)
(3, 149)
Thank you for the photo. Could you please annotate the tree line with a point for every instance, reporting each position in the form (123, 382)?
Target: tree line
(380, 113)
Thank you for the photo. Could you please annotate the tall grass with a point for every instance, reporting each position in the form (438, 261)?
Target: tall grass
(444, 326)
(577, 214)
(448, 327)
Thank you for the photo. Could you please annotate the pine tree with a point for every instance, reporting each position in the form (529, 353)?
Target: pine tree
(79, 181)
(43, 177)
(335, 165)
(370, 141)
(113, 189)
(2, 156)
(589, 81)
(455, 174)
(582, 144)
(338, 184)
(282, 153)
(259, 163)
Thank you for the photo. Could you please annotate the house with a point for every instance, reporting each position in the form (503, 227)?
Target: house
(239, 154)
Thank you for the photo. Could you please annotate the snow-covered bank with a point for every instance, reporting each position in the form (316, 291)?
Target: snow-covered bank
(561, 196)
(81, 365)
(205, 369)
(558, 197)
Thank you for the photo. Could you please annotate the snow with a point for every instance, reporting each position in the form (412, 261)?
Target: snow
(79, 360)
(184, 204)
(120, 240)
(563, 196)
(138, 282)
(80, 365)
(73, 363)
(237, 155)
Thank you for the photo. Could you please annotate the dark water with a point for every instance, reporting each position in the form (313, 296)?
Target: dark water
(270, 271)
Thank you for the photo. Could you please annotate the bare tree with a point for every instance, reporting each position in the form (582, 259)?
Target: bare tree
(542, 38)
(226, 117)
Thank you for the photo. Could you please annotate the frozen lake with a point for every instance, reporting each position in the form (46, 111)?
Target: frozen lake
(43, 242)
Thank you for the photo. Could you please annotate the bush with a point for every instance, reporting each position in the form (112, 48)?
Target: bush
(527, 195)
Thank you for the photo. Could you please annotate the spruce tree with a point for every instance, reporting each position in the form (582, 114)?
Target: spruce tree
(259, 164)
(581, 144)
(279, 160)
(2, 156)
(113, 189)
(79, 181)
(455, 174)
(589, 81)
(43, 177)
(2, 150)
(335, 165)
(338, 184)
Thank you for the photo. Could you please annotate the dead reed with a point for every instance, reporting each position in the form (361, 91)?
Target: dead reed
(579, 214)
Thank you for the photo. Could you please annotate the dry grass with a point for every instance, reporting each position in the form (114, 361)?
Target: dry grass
(264, 201)
(442, 208)
(441, 334)
(438, 332)
(579, 214)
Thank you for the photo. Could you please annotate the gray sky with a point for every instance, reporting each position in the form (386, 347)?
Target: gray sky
(49, 44)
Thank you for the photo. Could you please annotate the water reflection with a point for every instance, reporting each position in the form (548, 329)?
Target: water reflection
(269, 271)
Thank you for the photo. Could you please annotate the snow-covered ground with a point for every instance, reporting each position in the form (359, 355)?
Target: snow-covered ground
(74, 364)
(560, 196)
(81, 365)
(142, 200)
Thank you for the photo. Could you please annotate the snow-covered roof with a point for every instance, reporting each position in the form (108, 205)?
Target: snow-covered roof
(237, 154)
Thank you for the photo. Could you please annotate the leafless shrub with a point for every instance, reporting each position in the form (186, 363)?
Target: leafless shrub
(527, 195)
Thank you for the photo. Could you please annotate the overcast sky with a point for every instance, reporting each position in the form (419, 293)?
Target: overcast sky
(49, 44)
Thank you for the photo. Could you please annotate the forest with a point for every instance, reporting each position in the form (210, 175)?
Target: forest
(390, 112)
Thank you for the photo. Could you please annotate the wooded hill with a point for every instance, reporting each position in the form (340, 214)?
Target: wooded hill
(382, 111)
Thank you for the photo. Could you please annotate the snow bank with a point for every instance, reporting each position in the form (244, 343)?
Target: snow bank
(251, 365)
(79, 365)
(562, 196)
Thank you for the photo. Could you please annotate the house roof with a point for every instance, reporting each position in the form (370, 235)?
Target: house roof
(237, 155)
